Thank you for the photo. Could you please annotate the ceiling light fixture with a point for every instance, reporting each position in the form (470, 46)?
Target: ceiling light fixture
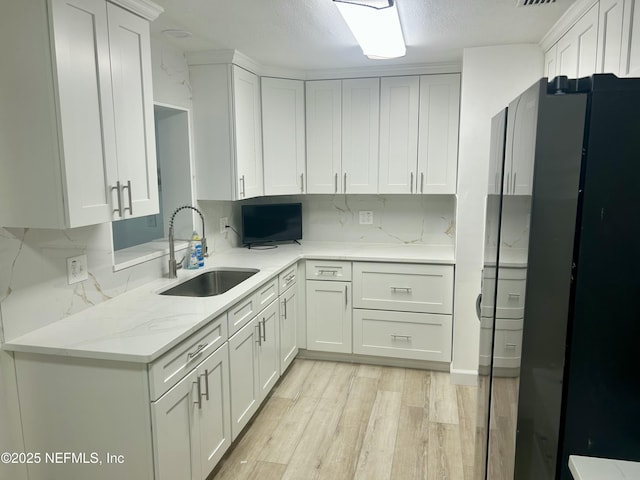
(376, 26)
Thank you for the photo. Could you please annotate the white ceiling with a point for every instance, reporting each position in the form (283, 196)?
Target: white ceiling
(310, 34)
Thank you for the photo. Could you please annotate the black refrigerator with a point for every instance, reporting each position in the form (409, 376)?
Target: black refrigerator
(560, 301)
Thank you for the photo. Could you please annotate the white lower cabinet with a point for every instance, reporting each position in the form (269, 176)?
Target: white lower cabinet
(418, 336)
(329, 316)
(288, 327)
(191, 423)
(254, 365)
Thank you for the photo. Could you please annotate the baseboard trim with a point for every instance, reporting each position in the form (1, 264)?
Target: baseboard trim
(464, 377)
(373, 360)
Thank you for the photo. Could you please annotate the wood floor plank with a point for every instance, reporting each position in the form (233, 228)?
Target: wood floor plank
(369, 371)
(443, 399)
(417, 384)
(376, 455)
(342, 456)
(444, 453)
(267, 471)
(391, 379)
(467, 398)
(410, 459)
(291, 384)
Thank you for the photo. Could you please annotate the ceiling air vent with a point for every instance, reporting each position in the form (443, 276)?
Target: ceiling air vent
(528, 3)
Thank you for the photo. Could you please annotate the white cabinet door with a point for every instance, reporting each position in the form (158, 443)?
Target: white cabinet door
(438, 134)
(631, 40)
(329, 316)
(175, 429)
(288, 327)
(248, 133)
(283, 137)
(243, 373)
(214, 415)
(398, 134)
(567, 58)
(324, 136)
(360, 132)
(610, 22)
(268, 351)
(577, 48)
(550, 62)
(81, 49)
(130, 50)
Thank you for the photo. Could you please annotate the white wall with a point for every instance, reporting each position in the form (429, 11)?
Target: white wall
(33, 284)
(491, 78)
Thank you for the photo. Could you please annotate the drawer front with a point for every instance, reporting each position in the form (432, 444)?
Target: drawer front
(328, 270)
(511, 292)
(266, 294)
(287, 278)
(403, 287)
(507, 348)
(418, 336)
(169, 369)
(242, 312)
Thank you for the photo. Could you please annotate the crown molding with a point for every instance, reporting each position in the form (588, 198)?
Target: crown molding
(214, 57)
(566, 21)
(144, 8)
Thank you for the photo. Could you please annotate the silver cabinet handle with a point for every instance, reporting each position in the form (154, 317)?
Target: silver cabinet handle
(508, 182)
(479, 307)
(288, 278)
(242, 191)
(346, 296)
(515, 174)
(336, 183)
(264, 329)
(395, 336)
(259, 337)
(199, 396)
(197, 352)
(510, 345)
(514, 295)
(285, 308)
(302, 183)
(206, 384)
(332, 272)
(345, 183)
(422, 182)
(401, 289)
(130, 207)
(118, 189)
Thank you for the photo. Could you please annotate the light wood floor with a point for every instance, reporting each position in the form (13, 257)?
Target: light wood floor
(327, 420)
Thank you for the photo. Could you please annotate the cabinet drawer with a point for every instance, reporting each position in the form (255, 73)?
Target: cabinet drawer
(403, 287)
(266, 294)
(167, 370)
(418, 336)
(511, 292)
(328, 270)
(287, 278)
(242, 312)
(507, 348)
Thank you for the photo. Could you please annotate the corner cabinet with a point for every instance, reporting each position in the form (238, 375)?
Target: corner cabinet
(283, 136)
(419, 119)
(227, 132)
(77, 113)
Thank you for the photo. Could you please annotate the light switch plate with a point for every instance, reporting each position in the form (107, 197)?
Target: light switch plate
(77, 269)
(366, 217)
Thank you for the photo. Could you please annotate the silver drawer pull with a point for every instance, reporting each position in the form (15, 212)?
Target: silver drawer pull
(288, 278)
(130, 207)
(510, 345)
(401, 289)
(118, 189)
(514, 295)
(198, 351)
(328, 272)
(396, 336)
(206, 384)
(199, 397)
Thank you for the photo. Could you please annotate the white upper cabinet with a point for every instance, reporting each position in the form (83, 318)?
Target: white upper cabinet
(575, 53)
(550, 62)
(227, 132)
(283, 136)
(360, 131)
(399, 102)
(438, 133)
(630, 52)
(79, 141)
(609, 49)
(324, 136)
(248, 134)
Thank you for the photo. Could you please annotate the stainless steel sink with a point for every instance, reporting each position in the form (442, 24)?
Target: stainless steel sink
(213, 282)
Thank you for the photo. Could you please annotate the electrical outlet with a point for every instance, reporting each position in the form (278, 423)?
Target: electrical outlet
(366, 217)
(224, 221)
(77, 269)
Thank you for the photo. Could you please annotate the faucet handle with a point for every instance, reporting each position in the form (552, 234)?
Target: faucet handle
(205, 248)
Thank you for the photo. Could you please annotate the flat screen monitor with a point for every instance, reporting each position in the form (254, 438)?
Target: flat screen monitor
(271, 223)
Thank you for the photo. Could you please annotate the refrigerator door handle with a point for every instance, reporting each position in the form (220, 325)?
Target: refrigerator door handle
(478, 311)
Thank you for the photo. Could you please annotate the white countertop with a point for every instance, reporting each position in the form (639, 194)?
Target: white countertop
(140, 325)
(591, 468)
